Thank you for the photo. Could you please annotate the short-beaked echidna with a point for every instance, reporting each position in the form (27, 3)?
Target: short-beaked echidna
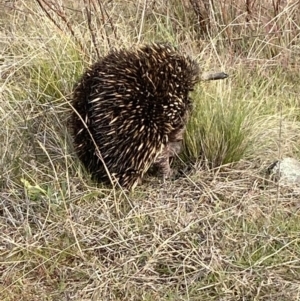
(130, 109)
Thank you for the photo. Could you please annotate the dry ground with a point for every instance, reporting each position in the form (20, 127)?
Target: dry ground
(229, 235)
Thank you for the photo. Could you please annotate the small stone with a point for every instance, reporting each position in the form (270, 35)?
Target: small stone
(287, 171)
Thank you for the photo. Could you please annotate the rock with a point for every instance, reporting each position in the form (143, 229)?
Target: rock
(287, 171)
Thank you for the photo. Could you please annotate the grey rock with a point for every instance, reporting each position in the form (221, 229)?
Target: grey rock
(286, 171)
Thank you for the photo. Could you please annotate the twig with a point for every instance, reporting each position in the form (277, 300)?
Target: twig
(43, 4)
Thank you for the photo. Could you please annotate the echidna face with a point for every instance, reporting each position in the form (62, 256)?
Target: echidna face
(131, 102)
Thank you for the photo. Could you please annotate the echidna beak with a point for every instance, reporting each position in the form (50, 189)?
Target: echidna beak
(214, 76)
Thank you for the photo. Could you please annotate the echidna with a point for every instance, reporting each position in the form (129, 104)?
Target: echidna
(130, 110)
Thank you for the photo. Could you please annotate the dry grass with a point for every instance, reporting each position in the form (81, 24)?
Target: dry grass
(204, 237)
(223, 233)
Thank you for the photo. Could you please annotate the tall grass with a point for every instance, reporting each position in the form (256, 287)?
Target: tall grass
(219, 130)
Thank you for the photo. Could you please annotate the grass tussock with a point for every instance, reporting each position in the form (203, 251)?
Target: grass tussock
(219, 129)
(222, 230)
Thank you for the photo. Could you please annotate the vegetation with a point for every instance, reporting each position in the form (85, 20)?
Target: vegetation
(220, 231)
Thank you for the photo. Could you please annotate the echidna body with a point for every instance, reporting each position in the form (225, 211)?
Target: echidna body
(128, 107)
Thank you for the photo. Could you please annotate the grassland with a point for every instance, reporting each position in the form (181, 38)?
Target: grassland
(222, 230)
